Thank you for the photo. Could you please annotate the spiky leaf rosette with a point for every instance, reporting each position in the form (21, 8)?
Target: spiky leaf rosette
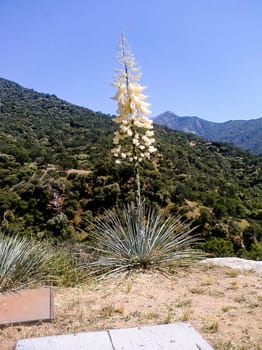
(21, 262)
(135, 237)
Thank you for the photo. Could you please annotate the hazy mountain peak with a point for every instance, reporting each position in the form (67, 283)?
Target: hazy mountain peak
(246, 134)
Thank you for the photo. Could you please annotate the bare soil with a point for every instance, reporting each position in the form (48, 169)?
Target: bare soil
(78, 171)
(224, 305)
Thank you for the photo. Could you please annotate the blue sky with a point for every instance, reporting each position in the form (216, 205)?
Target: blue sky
(198, 57)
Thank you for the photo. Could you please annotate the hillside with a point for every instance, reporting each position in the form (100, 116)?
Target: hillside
(246, 134)
(57, 174)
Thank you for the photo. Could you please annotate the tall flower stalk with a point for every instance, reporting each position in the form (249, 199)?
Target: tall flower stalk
(134, 139)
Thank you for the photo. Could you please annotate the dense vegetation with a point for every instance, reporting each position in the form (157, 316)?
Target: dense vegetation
(246, 134)
(57, 175)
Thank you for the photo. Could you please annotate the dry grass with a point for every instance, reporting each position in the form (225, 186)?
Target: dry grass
(224, 307)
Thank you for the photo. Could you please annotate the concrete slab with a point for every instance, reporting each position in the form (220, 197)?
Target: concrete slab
(176, 336)
(27, 305)
(80, 341)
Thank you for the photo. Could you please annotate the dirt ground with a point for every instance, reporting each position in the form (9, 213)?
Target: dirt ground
(224, 305)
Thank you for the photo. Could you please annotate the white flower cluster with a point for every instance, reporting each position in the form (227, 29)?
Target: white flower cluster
(134, 140)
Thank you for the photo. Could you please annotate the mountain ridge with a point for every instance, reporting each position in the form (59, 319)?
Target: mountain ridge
(246, 134)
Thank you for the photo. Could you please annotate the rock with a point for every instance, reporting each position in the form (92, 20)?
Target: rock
(237, 263)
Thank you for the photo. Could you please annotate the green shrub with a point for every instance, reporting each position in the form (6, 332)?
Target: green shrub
(218, 247)
(254, 253)
(62, 269)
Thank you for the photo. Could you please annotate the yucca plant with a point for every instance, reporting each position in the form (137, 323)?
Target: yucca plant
(21, 262)
(135, 237)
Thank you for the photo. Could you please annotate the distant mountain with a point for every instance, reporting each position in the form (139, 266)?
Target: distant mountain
(246, 134)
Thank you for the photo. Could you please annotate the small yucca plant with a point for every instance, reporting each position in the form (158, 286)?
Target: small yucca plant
(21, 262)
(135, 237)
